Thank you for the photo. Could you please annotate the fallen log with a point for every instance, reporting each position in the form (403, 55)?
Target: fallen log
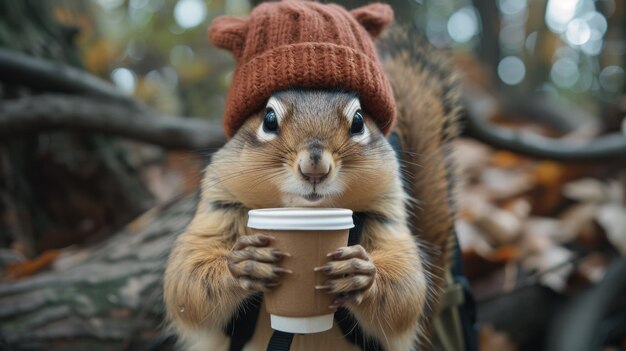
(104, 297)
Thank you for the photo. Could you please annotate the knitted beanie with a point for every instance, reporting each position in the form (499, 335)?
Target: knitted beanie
(302, 44)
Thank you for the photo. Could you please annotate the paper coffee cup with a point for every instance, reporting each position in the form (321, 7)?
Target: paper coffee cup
(308, 234)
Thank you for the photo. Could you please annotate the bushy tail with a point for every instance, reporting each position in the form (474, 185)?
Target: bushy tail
(426, 94)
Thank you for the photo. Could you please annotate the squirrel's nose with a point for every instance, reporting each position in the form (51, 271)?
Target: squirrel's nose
(313, 174)
(315, 167)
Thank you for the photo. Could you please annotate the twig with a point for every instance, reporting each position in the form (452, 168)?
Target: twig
(534, 278)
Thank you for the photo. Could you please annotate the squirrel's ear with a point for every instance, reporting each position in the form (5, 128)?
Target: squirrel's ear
(374, 17)
(227, 32)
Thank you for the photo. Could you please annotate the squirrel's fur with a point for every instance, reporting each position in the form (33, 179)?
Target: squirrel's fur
(426, 90)
(407, 235)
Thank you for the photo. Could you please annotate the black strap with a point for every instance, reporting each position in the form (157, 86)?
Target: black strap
(280, 341)
(396, 145)
(353, 333)
(358, 219)
(242, 325)
(467, 311)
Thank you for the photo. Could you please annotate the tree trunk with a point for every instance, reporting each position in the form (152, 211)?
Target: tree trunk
(61, 188)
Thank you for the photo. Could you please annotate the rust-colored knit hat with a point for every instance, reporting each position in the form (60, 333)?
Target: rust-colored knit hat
(302, 44)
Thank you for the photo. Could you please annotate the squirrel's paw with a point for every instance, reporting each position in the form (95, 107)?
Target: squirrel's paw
(351, 273)
(254, 264)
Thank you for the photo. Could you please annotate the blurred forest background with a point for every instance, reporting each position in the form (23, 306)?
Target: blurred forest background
(110, 108)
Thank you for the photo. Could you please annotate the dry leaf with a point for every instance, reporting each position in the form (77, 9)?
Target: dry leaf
(615, 190)
(577, 221)
(99, 56)
(501, 227)
(548, 179)
(593, 267)
(520, 207)
(612, 218)
(586, 190)
(470, 157)
(508, 160)
(504, 184)
(538, 234)
(504, 254)
(490, 339)
(554, 265)
(470, 238)
(28, 268)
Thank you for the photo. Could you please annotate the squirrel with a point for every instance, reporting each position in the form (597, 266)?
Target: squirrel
(310, 146)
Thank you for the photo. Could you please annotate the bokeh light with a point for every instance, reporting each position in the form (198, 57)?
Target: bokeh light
(597, 24)
(564, 72)
(189, 13)
(531, 42)
(577, 32)
(612, 78)
(463, 25)
(437, 33)
(125, 79)
(512, 37)
(559, 13)
(512, 7)
(592, 47)
(511, 70)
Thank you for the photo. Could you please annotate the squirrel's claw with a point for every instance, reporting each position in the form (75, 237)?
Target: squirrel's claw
(253, 263)
(352, 272)
(350, 266)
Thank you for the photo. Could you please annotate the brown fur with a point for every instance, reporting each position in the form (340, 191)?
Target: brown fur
(201, 293)
(426, 92)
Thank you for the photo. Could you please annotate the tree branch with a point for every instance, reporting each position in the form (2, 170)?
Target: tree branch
(20, 69)
(46, 112)
(480, 106)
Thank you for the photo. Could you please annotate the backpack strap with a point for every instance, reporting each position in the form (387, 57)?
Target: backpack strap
(467, 310)
(280, 341)
(456, 322)
(455, 325)
(241, 327)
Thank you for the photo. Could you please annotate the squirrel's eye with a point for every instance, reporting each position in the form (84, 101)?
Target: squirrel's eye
(270, 122)
(357, 124)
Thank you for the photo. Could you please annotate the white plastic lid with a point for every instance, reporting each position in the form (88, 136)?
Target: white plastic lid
(302, 325)
(300, 219)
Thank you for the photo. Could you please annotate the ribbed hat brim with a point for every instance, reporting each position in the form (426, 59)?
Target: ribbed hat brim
(308, 66)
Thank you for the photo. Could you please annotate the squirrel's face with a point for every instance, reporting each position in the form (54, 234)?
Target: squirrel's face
(311, 149)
